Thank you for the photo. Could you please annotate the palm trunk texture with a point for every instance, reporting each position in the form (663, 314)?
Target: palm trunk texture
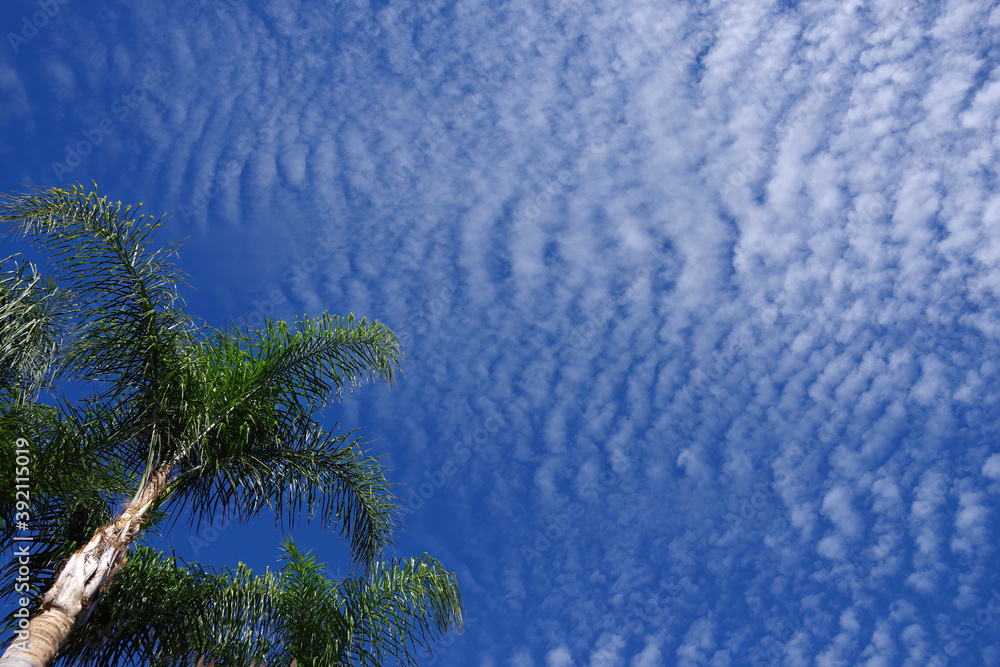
(84, 578)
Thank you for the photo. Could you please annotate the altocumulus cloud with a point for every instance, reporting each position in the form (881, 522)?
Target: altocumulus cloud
(787, 418)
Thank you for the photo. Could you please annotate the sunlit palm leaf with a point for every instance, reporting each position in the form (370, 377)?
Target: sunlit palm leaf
(312, 476)
(167, 613)
(156, 613)
(124, 293)
(33, 314)
(72, 487)
(228, 420)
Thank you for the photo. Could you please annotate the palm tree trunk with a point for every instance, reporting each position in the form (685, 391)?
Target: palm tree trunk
(84, 578)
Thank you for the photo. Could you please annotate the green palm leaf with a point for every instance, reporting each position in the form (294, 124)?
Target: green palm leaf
(167, 613)
(156, 613)
(190, 420)
(124, 294)
(315, 475)
(33, 314)
(72, 486)
(254, 443)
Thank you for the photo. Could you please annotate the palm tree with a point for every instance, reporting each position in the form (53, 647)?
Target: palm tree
(185, 419)
(297, 613)
(70, 486)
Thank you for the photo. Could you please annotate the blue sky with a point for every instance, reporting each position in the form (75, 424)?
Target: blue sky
(701, 298)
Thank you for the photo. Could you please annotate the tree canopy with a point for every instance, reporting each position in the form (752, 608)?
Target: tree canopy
(186, 419)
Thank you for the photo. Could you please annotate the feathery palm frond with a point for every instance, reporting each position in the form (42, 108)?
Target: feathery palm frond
(33, 314)
(257, 445)
(156, 613)
(199, 421)
(314, 474)
(124, 293)
(402, 606)
(398, 608)
(167, 613)
(128, 335)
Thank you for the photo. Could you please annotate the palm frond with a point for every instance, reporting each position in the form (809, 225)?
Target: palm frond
(124, 293)
(156, 613)
(166, 613)
(253, 443)
(299, 613)
(307, 475)
(33, 315)
(71, 485)
(100, 248)
(402, 606)
(317, 358)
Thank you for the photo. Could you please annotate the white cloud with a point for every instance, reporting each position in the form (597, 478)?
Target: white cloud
(806, 370)
(698, 643)
(522, 658)
(558, 657)
(608, 653)
(650, 655)
(991, 468)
